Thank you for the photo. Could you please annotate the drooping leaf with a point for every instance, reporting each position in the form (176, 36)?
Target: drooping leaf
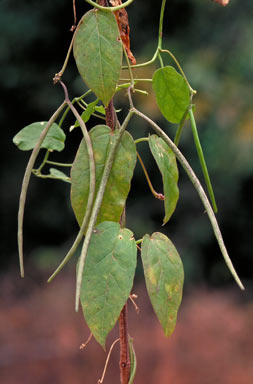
(118, 185)
(166, 161)
(164, 277)
(108, 277)
(172, 93)
(27, 138)
(98, 53)
(59, 175)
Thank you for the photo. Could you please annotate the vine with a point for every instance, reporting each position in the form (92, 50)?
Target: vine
(101, 177)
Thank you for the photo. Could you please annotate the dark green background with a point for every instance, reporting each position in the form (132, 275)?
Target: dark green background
(214, 45)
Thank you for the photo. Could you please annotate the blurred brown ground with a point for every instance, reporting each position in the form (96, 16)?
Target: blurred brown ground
(40, 335)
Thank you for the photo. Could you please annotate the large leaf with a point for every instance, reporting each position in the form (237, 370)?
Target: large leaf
(172, 93)
(27, 138)
(108, 277)
(118, 185)
(166, 161)
(164, 277)
(98, 53)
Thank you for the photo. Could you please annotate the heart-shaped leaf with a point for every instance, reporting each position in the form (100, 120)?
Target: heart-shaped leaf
(164, 277)
(107, 278)
(27, 138)
(98, 53)
(172, 93)
(118, 185)
(167, 164)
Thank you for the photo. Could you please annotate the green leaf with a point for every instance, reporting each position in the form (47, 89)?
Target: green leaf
(86, 114)
(59, 174)
(172, 93)
(107, 278)
(27, 138)
(100, 109)
(118, 185)
(167, 164)
(164, 277)
(98, 53)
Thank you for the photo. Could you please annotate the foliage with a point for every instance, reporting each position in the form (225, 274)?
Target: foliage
(103, 168)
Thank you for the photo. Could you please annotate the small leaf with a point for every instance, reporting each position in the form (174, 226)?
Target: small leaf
(118, 185)
(86, 114)
(172, 93)
(164, 277)
(100, 109)
(27, 138)
(166, 161)
(59, 174)
(98, 53)
(107, 278)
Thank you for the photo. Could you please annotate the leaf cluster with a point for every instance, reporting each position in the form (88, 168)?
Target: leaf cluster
(103, 169)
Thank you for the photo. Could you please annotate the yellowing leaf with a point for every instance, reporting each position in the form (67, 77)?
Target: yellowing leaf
(164, 277)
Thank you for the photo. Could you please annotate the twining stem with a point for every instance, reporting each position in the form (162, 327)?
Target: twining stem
(129, 67)
(74, 14)
(193, 92)
(141, 140)
(44, 161)
(154, 193)
(37, 172)
(100, 381)
(199, 189)
(84, 345)
(202, 159)
(109, 9)
(58, 164)
(125, 364)
(159, 44)
(160, 32)
(180, 128)
(92, 186)
(136, 80)
(26, 180)
(58, 75)
(75, 100)
(97, 204)
(111, 120)
(132, 360)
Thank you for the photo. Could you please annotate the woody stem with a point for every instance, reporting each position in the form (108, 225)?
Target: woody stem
(124, 362)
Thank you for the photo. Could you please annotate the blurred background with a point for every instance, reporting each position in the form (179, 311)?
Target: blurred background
(40, 333)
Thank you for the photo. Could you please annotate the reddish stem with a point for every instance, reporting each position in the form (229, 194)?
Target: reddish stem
(123, 333)
(110, 115)
(124, 347)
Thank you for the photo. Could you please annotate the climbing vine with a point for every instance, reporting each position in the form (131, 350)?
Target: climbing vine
(101, 173)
